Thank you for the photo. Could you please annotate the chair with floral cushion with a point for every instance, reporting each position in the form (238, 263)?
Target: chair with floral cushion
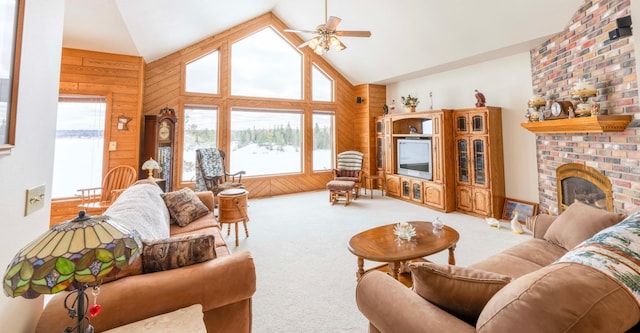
(349, 168)
(211, 174)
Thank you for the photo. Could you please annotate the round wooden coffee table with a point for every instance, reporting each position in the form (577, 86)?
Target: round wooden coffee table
(380, 244)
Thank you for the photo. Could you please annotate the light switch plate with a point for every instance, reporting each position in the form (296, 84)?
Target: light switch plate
(113, 145)
(35, 199)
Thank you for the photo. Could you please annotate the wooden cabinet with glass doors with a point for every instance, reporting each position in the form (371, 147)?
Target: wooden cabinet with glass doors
(435, 190)
(479, 161)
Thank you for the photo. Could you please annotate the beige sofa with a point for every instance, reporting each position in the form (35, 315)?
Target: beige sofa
(223, 286)
(522, 289)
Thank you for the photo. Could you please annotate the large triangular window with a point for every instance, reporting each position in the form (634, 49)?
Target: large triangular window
(264, 64)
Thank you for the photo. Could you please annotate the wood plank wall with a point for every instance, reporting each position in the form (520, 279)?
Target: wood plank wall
(120, 79)
(164, 81)
(374, 97)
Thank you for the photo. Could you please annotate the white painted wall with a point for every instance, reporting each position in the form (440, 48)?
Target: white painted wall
(506, 83)
(31, 163)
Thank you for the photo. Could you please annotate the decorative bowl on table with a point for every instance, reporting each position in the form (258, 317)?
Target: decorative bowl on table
(404, 230)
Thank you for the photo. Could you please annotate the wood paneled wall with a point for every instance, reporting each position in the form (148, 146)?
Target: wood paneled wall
(373, 99)
(120, 79)
(164, 81)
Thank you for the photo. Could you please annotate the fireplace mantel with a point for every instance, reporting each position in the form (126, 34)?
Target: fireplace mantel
(592, 124)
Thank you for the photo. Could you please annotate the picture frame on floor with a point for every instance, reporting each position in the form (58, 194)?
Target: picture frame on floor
(524, 208)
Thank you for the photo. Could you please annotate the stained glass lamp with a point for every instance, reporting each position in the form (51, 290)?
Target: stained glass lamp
(151, 165)
(72, 255)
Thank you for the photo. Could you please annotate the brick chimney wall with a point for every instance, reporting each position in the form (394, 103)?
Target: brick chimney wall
(583, 51)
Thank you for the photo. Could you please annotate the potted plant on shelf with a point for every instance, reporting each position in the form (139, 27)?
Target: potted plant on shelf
(410, 103)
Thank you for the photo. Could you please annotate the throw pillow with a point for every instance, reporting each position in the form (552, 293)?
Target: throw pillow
(460, 291)
(184, 206)
(189, 319)
(170, 253)
(579, 222)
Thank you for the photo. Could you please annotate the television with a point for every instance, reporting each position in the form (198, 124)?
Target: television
(414, 158)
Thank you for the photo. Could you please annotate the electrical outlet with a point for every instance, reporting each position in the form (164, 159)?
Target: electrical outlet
(112, 145)
(35, 199)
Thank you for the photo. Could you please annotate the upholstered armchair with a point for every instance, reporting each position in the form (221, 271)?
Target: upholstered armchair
(211, 174)
(349, 167)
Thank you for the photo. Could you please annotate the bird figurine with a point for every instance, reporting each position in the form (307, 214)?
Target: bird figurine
(515, 224)
(493, 222)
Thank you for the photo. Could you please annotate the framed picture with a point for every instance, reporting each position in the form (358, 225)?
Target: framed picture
(10, 46)
(523, 208)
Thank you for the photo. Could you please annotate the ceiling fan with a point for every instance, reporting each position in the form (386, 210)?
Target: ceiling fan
(327, 35)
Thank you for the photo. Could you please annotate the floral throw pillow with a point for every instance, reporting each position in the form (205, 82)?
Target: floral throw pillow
(176, 252)
(184, 206)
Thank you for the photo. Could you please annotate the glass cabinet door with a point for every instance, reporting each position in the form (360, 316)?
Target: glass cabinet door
(406, 188)
(477, 123)
(461, 123)
(380, 152)
(479, 170)
(417, 191)
(463, 161)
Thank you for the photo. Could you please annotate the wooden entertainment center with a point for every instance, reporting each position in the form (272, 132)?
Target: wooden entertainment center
(465, 170)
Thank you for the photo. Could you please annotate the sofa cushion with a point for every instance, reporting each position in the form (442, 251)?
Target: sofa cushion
(184, 206)
(189, 319)
(170, 253)
(460, 291)
(579, 222)
(522, 258)
(561, 297)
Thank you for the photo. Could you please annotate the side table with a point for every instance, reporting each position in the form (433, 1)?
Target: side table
(368, 179)
(232, 208)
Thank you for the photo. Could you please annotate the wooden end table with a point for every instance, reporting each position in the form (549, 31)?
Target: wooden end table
(368, 179)
(382, 245)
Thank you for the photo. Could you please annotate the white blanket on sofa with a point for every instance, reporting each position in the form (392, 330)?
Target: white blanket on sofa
(141, 208)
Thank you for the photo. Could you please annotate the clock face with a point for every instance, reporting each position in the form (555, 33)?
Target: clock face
(164, 131)
(556, 109)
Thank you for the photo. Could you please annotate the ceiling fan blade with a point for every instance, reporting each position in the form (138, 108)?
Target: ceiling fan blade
(332, 23)
(303, 44)
(303, 31)
(353, 33)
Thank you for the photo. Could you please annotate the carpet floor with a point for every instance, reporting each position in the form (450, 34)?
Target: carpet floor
(305, 273)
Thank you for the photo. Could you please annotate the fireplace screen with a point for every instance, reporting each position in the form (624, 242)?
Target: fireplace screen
(577, 182)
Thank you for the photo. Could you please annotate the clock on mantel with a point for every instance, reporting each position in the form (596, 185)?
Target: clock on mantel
(592, 124)
(159, 140)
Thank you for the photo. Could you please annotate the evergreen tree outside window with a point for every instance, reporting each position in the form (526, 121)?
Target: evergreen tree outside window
(323, 138)
(266, 141)
(200, 131)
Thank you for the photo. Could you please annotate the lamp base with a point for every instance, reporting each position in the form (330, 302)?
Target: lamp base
(78, 309)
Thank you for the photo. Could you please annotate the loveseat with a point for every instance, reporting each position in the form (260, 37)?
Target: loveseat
(549, 283)
(223, 283)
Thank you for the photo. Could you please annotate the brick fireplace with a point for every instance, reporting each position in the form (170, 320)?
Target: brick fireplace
(583, 51)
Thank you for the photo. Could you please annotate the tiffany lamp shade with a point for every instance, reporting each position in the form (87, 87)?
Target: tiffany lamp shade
(72, 255)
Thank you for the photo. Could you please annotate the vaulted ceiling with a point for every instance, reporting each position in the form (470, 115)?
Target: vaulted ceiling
(410, 38)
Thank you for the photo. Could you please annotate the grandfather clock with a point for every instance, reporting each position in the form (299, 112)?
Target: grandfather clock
(159, 143)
